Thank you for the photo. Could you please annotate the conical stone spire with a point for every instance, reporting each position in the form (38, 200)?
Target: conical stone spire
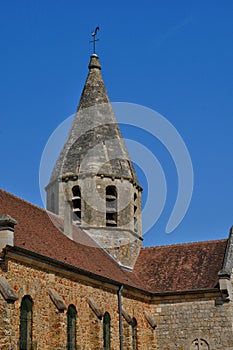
(95, 144)
(93, 183)
(94, 91)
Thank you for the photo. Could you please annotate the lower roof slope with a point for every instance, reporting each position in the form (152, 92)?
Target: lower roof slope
(181, 267)
(35, 232)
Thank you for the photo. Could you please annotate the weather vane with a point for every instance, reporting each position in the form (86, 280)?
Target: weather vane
(94, 38)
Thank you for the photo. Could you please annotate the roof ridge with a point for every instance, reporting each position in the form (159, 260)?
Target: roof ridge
(23, 200)
(185, 243)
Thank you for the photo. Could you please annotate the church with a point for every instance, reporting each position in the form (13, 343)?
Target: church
(76, 276)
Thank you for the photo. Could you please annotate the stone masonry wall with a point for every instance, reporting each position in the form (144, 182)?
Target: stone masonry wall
(181, 323)
(122, 242)
(50, 325)
(187, 324)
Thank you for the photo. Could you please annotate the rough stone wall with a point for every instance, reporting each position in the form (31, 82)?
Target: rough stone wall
(52, 197)
(122, 242)
(181, 323)
(93, 193)
(95, 145)
(50, 325)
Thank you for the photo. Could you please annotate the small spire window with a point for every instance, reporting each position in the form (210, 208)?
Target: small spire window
(77, 205)
(111, 206)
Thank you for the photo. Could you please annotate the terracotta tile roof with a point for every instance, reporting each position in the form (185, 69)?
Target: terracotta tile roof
(189, 266)
(181, 267)
(36, 232)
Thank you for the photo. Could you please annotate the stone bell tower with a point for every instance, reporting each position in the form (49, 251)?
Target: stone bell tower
(93, 183)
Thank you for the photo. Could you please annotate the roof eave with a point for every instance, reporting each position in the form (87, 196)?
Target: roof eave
(27, 256)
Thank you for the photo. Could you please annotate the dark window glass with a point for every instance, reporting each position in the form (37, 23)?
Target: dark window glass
(26, 323)
(71, 327)
(134, 334)
(107, 331)
(76, 191)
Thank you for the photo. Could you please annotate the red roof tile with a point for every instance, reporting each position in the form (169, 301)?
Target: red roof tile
(36, 232)
(181, 267)
(189, 266)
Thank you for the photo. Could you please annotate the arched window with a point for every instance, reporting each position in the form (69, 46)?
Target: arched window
(76, 200)
(134, 334)
(107, 331)
(25, 340)
(71, 327)
(199, 344)
(111, 206)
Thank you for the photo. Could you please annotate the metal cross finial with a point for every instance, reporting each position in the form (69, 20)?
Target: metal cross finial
(94, 39)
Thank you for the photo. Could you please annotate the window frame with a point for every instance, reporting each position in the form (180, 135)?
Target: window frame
(107, 331)
(77, 204)
(134, 334)
(71, 327)
(111, 206)
(26, 323)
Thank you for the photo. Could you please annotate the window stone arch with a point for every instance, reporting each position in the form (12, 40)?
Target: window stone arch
(199, 344)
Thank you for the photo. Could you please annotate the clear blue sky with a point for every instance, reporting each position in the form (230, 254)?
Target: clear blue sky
(172, 56)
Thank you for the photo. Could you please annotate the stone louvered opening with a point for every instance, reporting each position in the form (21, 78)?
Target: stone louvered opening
(77, 205)
(111, 206)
